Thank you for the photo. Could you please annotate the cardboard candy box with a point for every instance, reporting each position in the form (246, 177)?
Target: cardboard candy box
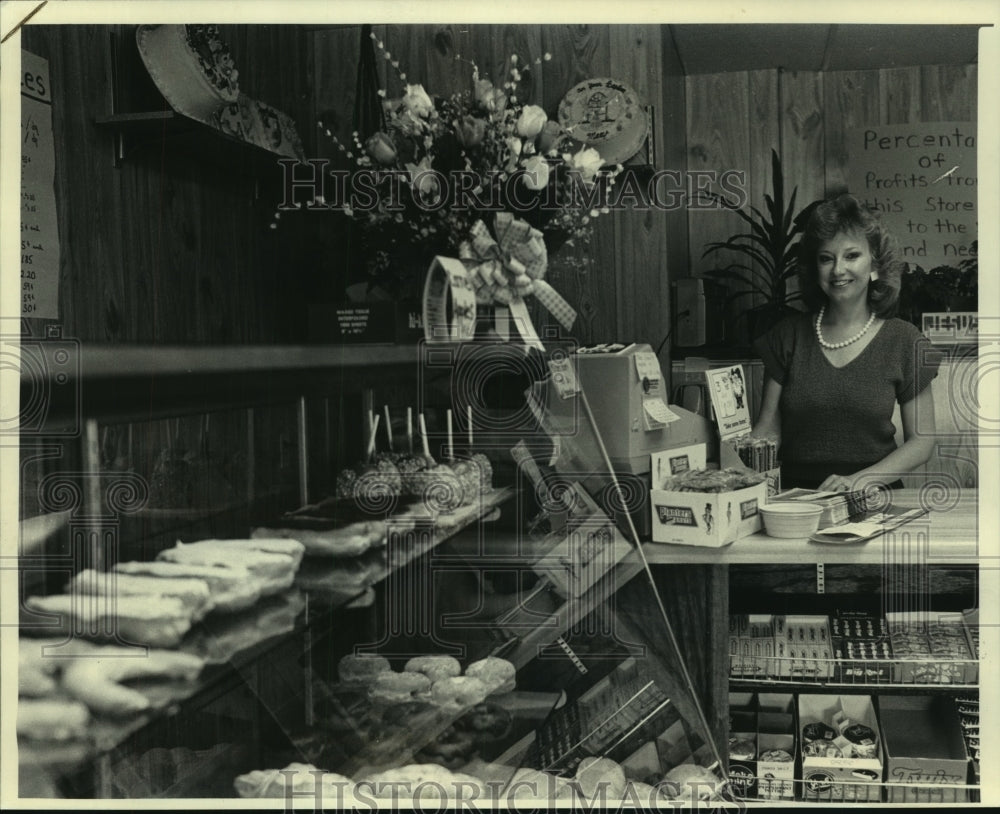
(926, 759)
(841, 748)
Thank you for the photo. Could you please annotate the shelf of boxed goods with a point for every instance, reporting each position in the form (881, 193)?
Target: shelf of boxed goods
(909, 676)
(948, 534)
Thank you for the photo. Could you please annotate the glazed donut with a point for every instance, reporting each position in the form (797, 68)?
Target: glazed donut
(460, 691)
(434, 667)
(361, 669)
(391, 687)
(499, 675)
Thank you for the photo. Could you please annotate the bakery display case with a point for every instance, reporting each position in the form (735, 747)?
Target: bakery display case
(507, 637)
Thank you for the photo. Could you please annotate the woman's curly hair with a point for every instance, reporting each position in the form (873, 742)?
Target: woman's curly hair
(845, 214)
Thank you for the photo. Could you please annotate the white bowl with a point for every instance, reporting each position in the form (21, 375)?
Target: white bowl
(790, 519)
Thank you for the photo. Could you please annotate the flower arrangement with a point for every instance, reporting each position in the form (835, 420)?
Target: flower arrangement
(441, 169)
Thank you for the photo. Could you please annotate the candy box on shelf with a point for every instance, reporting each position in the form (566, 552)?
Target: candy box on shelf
(862, 648)
(803, 648)
(751, 646)
(712, 519)
(841, 748)
(925, 756)
(743, 744)
(776, 747)
(931, 647)
(968, 719)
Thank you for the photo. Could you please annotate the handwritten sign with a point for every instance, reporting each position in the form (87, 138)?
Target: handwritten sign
(922, 178)
(39, 221)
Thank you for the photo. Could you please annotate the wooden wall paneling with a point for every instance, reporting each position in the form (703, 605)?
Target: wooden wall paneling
(948, 93)
(899, 89)
(714, 103)
(643, 290)
(851, 100)
(765, 135)
(802, 133)
(670, 141)
(335, 61)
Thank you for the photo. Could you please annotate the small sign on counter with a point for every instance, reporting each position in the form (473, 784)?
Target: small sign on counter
(950, 327)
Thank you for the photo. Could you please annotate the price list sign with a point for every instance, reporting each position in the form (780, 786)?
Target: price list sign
(922, 178)
(39, 224)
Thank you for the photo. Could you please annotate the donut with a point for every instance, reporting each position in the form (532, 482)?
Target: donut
(499, 675)
(434, 667)
(405, 712)
(360, 669)
(390, 687)
(462, 691)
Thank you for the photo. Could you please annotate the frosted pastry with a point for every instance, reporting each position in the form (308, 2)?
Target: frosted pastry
(434, 667)
(158, 621)
(497, 674)
(97, 678)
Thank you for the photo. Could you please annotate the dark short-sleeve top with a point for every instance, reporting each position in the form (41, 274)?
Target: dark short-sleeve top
(838, 420)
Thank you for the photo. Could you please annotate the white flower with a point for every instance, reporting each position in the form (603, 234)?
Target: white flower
(531, 121)
(424, 178)
(489, 97)
(536, 173)
(587, 161)
(417, 102)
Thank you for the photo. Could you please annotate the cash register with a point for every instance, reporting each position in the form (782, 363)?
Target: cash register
(627, 395)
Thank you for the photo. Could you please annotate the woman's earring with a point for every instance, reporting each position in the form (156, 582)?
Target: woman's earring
(874, 276)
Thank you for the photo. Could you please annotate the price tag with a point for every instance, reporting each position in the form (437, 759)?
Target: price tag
(564, 377)
(951, 327)
(648, 366)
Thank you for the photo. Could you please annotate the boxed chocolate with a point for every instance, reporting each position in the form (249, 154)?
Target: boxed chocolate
(925, 756)
(931, 648)
(968, 719)
(803, 647)
(862, 648)
(751, 646)
(841, 748)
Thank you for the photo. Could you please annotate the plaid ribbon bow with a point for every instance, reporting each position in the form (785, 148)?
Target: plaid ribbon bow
(506, 270)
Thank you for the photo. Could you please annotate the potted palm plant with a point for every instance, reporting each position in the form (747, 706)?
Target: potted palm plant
(768, 253)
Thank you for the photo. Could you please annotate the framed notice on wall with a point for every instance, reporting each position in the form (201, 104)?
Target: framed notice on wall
(922, 178)
(39, 222)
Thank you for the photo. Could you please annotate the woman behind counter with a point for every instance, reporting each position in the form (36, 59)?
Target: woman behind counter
(833, 376)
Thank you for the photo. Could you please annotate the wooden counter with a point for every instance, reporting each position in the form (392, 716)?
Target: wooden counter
(947, 535)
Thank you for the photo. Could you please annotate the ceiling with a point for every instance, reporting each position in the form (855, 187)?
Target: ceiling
(821, 47)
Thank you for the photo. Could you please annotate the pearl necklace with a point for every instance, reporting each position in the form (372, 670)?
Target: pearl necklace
(846, 342)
